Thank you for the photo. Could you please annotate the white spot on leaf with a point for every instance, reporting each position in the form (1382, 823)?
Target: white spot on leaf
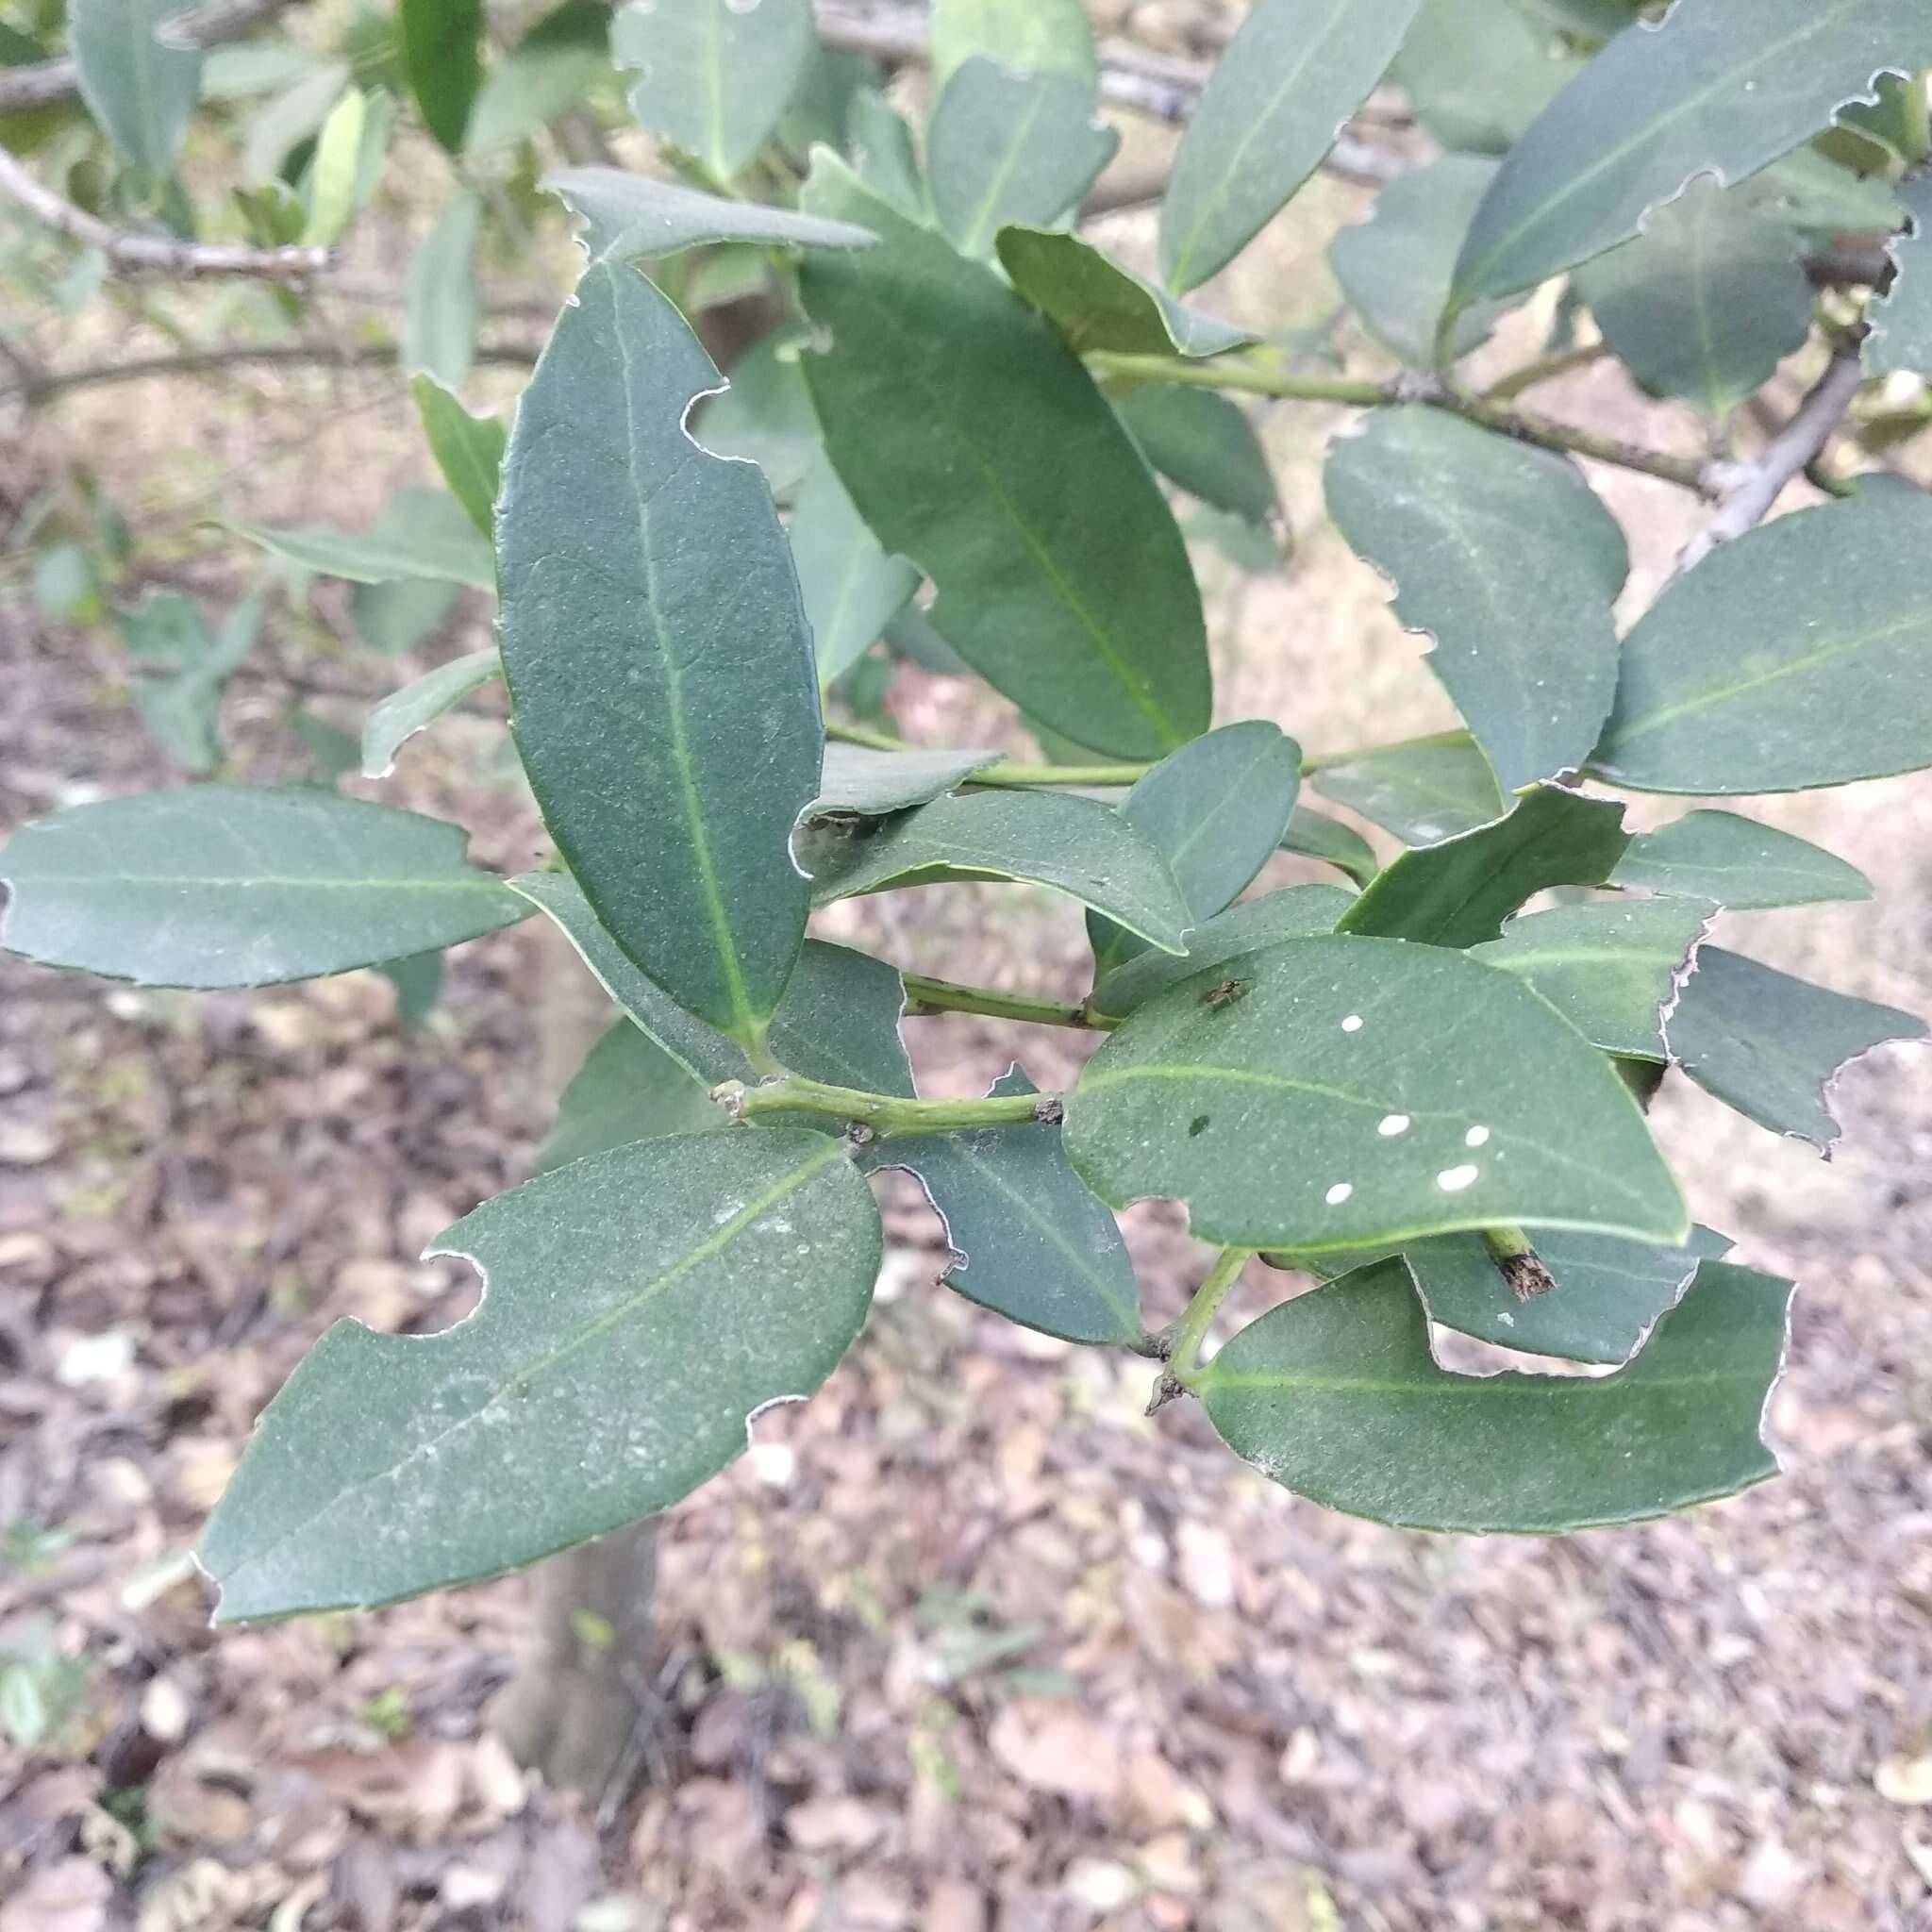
(1391, 1124)
(1476, 1137)
(1353, 1023)
(1451, 1180)
(1339, 1193)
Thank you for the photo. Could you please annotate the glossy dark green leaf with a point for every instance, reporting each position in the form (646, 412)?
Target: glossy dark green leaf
(1034, 36)
(1336, 1396)
(1902, 321)
(441, 303)
(1707, 302)
(1295, 912)
(714, 75)
(1728, 861)
(876, 783)
(1611, 970)
(1204, 443)
(1097, 303)
(552, 70)
(468, 449)
(1314, 835)
(442, 47)
(240, 885)
(1215, 810)
(1799, 654)
(1505, 556)
(1722, 88)
(1459, 892)
(423, 533)
(1394, 268)
(1771, 1047)
(1422, 793)
(1478, 73)
(852, 589)
(643, 1305)
(629, 217)
(652, 634)
(419, 705)
(765, 417)
(139, 79)
(977, 447)
(1349, 1092)
(1011, 146)
(1028, 1241)
(1072, 845)
(629, 1088)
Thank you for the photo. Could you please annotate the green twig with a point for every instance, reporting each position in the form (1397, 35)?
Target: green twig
(882, 1114)
(1545, 369)
(1518, 1262)
(1182, 1366)
(925, 996)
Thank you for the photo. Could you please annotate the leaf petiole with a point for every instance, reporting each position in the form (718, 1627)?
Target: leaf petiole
(883, 1113)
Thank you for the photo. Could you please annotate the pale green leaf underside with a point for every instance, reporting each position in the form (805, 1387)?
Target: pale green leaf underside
(627, 1089)
(442, 304)
(423, 534)
(852, 589)
(1477, 74)
(1035, 36)
(1733, 862)
(629, 217)
(139, 83)
(1422, 793)
(419, 705)
(1902, 321)
(877, 783)
(468, 450)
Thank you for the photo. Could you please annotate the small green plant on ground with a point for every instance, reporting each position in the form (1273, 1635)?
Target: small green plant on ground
(1403, 1082)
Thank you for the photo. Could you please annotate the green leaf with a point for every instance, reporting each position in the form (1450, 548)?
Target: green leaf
(1721, 88)
(1477, 74)
(1345, 1093)
(182, 712)
(652, 630)
(1314, 835)
(1902, 321)
(139, 80)
(333, 173)
(418, 983)
(1028, 1240)
(1336, 1396)
(1394, 268)
(1205, 443)
(295, 115)
(631, 217)
(883, 156)
(549, 72)
(1707, 302)
(419, 705)
(396, 616)
(1771, 1047)
(839, 1023)
(1033, 36)
(1609, 1293)
(1097, 303)
(643, 1306)
(629, 1088)
(1292, 913)
(765, 417)
(1459, 892)
(1505, 556)
(820, 111)
(423, 533)
(1820, 199)
(977, 447)
(468, 449)
(1215, 810)
(440, 306)
(1422, 792)
(876, 783)
(442, 41)
(1288, 81)
(1012, 146)
(714, 76)
(1611, 970)
(240, 885)
(852, 589)
(1072, 845)
(1733, 862)
(1800, 655)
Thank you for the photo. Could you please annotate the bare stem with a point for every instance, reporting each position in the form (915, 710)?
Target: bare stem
(1518, 1262)
(925, 996)
(883, 1114)
(1183, 1365)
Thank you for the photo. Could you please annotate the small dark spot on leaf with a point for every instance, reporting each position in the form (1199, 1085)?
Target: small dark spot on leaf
(1197, 1127)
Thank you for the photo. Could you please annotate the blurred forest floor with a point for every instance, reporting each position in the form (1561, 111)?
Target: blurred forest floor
(965, 1645)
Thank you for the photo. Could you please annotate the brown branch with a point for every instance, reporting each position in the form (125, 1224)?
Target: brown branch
(48, 81)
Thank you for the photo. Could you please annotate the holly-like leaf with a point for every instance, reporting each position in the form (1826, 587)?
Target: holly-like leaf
(1477, 74)
(240, 885)
(1721, 88)
(1028, 1241)
(1348, 1093)
(1505, 556)
(1423, 793)
(1459, 892)
(139, 79)
(852, 589)
(876, 784)
(643, 1305)
(441, 41)
(1314, 835)
(1072, 845)
(1902, 321)
(714, 76)
(1097, 303)
(653, 636)
(977, 447)
(1012, 146)
(419, 705)
(468, 449)
(765, 417)
(1205, 443)
(1292, 913)
(1707, 302)
(1336, 1396)
(1733, 862)
(442, 306)
(1611, 970)
(1215, 810)
(1799, 654)
(629, 1088)
(1279, 96)
(423, 533)
(1394, 268)
(1031, 36)
(629, 217)
(1771, 1047)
